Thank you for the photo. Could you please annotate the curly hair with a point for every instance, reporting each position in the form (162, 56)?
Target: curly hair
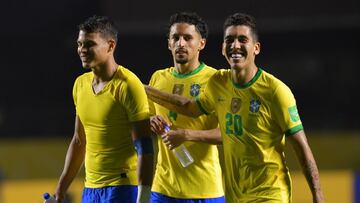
(192, 19)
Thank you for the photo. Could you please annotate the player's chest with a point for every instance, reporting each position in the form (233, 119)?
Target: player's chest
(189, 88)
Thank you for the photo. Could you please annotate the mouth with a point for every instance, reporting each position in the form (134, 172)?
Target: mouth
(236, 55)
(85, 58)
(180, 51)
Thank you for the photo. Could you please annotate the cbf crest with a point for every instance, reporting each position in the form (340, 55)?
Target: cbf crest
(178, 89)
(235, 104)
(254, 105)
(194, 90)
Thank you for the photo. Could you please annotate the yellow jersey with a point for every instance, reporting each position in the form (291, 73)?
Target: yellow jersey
(110, 158)
(254, 119)
(203, 178)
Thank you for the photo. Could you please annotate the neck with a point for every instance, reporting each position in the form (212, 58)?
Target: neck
(104, 72)
(243, 76)
(187, 67)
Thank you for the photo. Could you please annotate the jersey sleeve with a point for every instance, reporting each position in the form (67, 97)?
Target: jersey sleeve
(285, 110)
(74, 92)
(135, 100)
(205, 100)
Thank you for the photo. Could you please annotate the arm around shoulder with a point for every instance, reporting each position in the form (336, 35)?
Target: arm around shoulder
(173, 102)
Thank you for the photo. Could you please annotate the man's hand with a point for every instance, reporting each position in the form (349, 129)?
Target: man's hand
(174, 138)
(157, 124)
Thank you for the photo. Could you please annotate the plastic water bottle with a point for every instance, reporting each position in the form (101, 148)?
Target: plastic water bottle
(49, 199)
(181, 153)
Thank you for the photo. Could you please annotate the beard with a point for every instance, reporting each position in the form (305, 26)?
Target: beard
(181, 60)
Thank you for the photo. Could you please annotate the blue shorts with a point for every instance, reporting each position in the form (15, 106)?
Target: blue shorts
(160, 198)
(113, 194)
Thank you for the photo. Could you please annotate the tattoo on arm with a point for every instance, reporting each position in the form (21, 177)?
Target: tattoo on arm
(312, 174)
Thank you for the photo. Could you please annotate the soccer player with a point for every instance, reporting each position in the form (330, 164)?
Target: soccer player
(112, 127)
(201, 181)
(256, 112)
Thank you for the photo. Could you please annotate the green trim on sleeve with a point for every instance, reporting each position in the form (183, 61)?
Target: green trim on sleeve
(294, 130)
(199, 105)
(196, 70)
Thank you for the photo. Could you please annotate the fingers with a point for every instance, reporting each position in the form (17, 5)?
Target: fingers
(157, 124)
(171, 140)
(166, 140)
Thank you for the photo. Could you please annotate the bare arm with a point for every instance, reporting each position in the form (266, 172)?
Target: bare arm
(173, 102)
(308, 164)
(73, 161)
(141, 129)
(144, 146)
(174, 138)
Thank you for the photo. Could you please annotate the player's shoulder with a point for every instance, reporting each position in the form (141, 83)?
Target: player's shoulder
(85, 77)
(124, 73)
(273, 82)
(163, 71)
(209, 69)
(221, 75)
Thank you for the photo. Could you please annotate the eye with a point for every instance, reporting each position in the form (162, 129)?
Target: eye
(229, 40)
(187, 37)
(243, 39)
(175, 37)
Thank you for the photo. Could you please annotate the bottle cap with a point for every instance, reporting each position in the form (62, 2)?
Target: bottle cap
(167, 128)
(46, 195)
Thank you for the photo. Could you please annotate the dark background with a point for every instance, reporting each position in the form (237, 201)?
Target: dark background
(313, 46)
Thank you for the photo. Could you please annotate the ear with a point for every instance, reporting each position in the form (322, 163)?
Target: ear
(223, 49)
(169, 47)
(202, 44)
(257, 48)
(112, 45)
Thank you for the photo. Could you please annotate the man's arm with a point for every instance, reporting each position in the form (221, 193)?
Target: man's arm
(143, 143)
(174, 102)
(308, 164)
(175, 138)
(73, 161)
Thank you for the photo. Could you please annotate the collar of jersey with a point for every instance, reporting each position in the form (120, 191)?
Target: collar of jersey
(252, 81)
(185, 75)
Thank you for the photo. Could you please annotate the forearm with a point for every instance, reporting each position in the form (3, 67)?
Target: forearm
(308, 164)
(311, 174)
(212, 136)
(145, 169)
(73, 162)
(173, 102)
(144, 148)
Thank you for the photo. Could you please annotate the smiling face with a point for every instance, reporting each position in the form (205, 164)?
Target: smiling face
(239, 47)
(93, 49)
(185, 43)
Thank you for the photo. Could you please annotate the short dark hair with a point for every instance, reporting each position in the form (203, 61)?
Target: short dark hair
(100, 24)
(192, 19)
(242, 19)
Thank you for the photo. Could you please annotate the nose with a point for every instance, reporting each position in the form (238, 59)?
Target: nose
(181, 42)
(236, 44)
(81, 49)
